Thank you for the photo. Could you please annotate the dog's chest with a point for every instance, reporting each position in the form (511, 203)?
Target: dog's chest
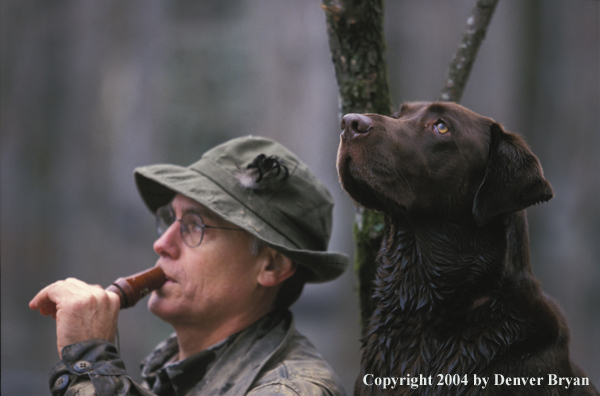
(409, 347)
(411, 351)
(412, 333)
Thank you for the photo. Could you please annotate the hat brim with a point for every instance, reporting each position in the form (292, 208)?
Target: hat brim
(158, 185)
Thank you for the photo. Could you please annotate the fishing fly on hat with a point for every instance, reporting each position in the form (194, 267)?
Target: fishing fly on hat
(262, 187)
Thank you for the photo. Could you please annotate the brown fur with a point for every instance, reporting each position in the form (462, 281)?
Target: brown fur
(454, 290)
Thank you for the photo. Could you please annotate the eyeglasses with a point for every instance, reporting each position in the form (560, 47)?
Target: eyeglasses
(191, 228)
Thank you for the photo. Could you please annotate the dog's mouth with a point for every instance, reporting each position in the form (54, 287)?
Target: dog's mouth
(355, 185)
(363, 174)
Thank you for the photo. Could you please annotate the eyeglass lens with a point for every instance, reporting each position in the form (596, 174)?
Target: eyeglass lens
(192, 225)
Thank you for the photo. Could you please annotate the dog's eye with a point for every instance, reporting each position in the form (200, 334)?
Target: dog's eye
(441, 127)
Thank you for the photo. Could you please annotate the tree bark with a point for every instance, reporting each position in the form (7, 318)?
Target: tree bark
(357, 46)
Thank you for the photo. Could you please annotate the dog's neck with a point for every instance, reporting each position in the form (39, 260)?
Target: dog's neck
(436, 265)
(434, 276)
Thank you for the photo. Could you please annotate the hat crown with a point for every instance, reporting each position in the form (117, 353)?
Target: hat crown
(292, 195)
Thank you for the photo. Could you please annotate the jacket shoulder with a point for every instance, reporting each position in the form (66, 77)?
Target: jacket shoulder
(297, 369)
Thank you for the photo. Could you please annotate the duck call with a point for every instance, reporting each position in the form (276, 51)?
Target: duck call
(133, 288)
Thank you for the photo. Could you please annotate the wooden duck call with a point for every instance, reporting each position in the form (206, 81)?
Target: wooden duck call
(133, 288)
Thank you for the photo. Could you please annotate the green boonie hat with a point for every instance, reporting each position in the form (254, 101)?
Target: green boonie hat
(286, 207)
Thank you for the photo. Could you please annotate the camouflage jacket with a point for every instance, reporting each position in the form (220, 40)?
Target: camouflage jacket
(270, 357)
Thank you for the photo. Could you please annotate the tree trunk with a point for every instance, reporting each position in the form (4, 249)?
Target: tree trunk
(357, 44)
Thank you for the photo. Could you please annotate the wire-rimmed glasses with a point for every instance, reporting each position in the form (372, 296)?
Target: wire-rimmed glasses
(192, 225)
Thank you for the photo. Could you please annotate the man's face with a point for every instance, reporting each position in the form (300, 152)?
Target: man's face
(207, 284)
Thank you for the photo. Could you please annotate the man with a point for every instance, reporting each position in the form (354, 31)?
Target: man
(240, 232)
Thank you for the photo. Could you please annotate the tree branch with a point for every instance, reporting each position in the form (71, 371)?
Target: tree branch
(462, 61)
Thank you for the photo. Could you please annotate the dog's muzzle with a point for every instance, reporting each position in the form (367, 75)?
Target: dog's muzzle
(354, 125)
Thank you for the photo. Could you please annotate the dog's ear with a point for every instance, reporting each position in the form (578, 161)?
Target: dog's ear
(513, 179)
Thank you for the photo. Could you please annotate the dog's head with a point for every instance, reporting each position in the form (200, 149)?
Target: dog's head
(440, 159)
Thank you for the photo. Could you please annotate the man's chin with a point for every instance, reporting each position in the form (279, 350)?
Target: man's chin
(157, 303)
(163, 305)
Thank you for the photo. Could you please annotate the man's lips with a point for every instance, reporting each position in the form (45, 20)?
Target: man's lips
(168, 282)
(169, 277)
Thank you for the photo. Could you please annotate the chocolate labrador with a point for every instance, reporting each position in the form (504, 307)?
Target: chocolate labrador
(458, 310)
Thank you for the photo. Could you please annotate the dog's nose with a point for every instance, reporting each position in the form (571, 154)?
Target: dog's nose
(356, 124)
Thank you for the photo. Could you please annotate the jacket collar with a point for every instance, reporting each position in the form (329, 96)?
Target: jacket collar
(242, 361)
(240, 358)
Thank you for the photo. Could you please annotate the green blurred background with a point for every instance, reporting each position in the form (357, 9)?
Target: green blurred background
(92, 89)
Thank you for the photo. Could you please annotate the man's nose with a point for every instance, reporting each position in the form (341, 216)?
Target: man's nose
(170, 241)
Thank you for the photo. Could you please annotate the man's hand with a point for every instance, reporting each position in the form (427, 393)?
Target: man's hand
(82, 311)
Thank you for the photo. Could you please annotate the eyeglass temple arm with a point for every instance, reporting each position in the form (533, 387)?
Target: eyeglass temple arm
(223, 228)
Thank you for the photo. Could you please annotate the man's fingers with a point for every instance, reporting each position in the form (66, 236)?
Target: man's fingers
(50, 295)
(68, 291)
(81, 311)
(43, 303)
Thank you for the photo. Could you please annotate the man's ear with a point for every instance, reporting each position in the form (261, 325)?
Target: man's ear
(276, 268)
(513, 179)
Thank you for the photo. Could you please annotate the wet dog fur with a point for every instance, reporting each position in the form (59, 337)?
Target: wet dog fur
(454, 290)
